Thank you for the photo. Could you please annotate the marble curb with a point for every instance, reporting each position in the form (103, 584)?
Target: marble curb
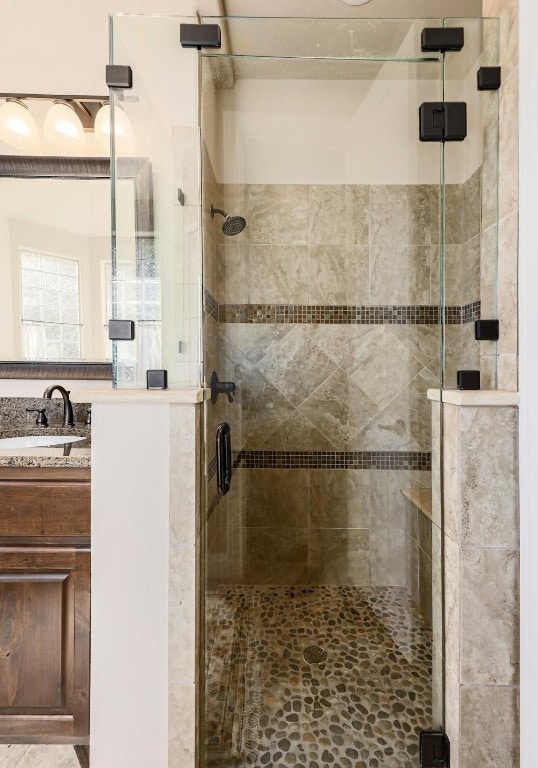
(474, 397)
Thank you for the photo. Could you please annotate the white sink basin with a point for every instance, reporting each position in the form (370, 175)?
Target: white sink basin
(37, 441)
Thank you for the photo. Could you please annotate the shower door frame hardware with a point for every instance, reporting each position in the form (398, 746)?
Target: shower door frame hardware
(434, 749)
(486, 330)
(442, 39)
(443, 121)
(224, 458)
(119, 76)
(180, 196)
(121, 330)
(488, 78)
(199, 36)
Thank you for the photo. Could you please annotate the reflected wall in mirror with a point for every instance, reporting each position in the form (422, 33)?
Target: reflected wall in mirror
(55, 256)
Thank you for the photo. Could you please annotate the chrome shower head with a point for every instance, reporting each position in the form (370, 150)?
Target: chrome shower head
(233, 225)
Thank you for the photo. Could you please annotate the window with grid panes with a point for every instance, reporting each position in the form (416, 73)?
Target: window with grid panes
(50, 307)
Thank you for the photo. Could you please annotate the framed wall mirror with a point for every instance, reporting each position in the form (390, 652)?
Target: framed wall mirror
(55, 257)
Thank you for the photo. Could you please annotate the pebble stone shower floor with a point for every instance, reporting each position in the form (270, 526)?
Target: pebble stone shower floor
(363, 707)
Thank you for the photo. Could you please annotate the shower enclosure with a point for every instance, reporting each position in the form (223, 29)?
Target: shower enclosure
(321, 268)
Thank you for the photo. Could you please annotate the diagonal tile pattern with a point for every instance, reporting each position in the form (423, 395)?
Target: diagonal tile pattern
(296, 366)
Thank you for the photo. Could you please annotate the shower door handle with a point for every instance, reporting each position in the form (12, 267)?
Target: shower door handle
(224, 458)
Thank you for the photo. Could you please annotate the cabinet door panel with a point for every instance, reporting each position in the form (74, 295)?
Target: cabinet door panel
(44, 645)
(34, 629)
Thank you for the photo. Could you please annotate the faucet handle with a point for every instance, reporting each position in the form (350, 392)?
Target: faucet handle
(88, 420)
(41, 418)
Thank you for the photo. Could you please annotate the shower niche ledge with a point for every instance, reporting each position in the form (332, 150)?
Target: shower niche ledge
(474, 397)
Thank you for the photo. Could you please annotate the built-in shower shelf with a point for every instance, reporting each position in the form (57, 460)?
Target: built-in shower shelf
(421, 498)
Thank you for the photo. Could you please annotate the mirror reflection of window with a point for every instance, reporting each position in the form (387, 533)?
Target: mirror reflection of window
(50, 307)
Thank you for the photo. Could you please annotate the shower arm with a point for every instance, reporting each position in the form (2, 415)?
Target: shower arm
(218, 210)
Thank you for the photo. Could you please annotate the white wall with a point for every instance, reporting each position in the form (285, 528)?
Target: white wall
(528, 377)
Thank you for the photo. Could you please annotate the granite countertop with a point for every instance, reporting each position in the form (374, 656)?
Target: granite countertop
(75, 455)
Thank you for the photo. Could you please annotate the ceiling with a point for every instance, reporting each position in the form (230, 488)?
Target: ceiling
(339, 9)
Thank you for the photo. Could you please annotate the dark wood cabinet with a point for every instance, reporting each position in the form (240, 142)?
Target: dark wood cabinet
(44, 606)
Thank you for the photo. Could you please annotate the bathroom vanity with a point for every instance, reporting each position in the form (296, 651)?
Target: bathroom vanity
(45, 595)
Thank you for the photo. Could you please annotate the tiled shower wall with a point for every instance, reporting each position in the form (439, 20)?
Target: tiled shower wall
(316, 377)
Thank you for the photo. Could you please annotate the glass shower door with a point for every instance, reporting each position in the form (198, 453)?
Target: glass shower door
(322, 571)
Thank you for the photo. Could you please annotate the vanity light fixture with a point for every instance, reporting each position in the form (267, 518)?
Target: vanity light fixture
(355, 2)
(66, 124)
(17, 126)
(123, 130)
(63, 128)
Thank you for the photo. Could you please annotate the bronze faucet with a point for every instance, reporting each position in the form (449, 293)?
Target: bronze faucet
(68, 408)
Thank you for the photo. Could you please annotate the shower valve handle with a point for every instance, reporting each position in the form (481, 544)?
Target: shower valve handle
(221, 388)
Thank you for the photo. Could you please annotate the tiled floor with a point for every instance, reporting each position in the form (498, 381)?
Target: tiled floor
(360, 708)
(37, 756)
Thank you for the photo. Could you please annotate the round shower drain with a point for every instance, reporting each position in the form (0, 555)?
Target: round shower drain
(314, 654)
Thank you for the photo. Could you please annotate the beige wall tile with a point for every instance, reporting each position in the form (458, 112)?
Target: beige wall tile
(399, 273)
(488, 273)
(490, 158)
(383, 367)
(411, 408)
(400, 214)
(278, 274)
(508, 145)
(341, 343)
(327, 215)
(263, 408)
(182, 581)
(508, 372)
(462, 272)
(338, 274)
(278, 498)
(277, 213)
(490, 617)
(508, 257)
(296, 366)
(472, 207)
(454, 212)
(489, 481)
(452, 717)
(339, 556)
(488, 372)
(181, 648)
(339, 498)
(278, 556)
(181, 726)
(436, 462)
(425, 587)
(489, 727)
(233, 269)
(452, 608)
(388, 557)
(294, 434)
(338, 214)
(254, 340)
(339, 409)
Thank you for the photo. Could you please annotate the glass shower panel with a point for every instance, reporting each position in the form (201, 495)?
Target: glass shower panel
(470, 262)
(156, 270)
(323, 584)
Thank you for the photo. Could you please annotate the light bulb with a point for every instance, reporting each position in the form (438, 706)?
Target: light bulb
(123, 130)
(63, 130)
(17, 126)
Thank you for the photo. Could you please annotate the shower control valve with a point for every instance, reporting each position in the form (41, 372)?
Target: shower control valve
(221, 388)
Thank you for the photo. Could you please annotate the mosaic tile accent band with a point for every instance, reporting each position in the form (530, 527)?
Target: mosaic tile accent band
(414, 314)
(211, 306)
(415, 460)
